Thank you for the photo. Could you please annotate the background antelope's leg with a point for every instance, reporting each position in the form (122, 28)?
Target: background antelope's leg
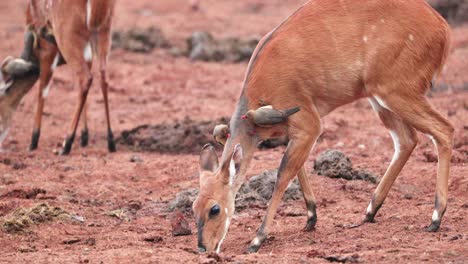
(420, 115)
(47, 58)
(103, 46)
(304, 131)
(404, 140)
(309, 198)
(84, 139)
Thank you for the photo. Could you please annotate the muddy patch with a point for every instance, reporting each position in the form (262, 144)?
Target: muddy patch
(181, 137)
(140, 40)
(204, 47)
(335, 164)
(184, 137)
(23, 218)
(256, 192)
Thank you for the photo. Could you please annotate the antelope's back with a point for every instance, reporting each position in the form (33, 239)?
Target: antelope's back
(338, 43)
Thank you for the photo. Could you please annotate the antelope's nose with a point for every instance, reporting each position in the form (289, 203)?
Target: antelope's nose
(201, 249)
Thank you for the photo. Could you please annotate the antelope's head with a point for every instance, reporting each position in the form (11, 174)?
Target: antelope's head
(214, 206)
(18, 75)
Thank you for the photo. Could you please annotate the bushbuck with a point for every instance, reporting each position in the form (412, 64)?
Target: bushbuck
(17, 77)
(71, 32)
(327, 54)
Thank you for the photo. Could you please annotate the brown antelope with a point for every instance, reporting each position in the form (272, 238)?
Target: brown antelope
(327, 54)
(17, 77)
(71, 31)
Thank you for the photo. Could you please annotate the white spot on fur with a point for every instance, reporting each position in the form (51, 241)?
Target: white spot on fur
(411, 37)
(396, 144)
(382, 103)
(374, 27)
(369, 208)
(226, 227)
(232, 171)
(382, 20)
(88, 13)
(374, 104)
(364, 39)
(55, 63)
(46, 91)
(88, 52)
(435, 216)
(310, 214)
(256, 241)
(3, 135)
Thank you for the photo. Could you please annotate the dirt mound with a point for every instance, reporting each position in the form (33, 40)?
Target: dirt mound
(455, 11)
(203, 46)
(24, 194)
(256, 192)
(142, 40)
(187, 136)
(335, 164)
(22, 218)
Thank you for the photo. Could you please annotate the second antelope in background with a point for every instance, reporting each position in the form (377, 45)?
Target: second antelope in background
(327, 54)
(71, 31)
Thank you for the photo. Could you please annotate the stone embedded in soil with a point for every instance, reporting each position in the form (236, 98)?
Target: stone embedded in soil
(180, 225)
(153, 239)
(335, 164)
(256, 192)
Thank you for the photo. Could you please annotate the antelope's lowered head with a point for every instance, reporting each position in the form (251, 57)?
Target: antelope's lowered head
(214, 206)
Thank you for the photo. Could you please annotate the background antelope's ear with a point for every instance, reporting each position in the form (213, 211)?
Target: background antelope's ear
(30, 43)
(208, 158)
(235, 164)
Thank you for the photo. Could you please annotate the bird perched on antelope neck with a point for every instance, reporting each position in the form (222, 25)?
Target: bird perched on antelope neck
(221, 134)
(268, 116)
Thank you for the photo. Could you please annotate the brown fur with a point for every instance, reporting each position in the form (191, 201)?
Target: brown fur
(330, 53)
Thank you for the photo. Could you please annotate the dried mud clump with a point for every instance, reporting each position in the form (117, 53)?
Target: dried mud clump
(455, 11)
(24, 194)
(187, 136)
(21, 219)
(204, 47)
(335, 164)
(140, 40)
(256, 192)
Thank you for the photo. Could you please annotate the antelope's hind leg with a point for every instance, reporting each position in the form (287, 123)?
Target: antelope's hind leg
(404, 140)
(420, 115)
(309, 199)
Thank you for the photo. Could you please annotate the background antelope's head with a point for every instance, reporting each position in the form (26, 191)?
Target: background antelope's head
(214, 205)
(17, 76)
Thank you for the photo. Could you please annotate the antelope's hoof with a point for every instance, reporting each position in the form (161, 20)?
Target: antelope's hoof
(111, 146)
(84, 139)
(252, 249)
(434, 227)
(64, 152)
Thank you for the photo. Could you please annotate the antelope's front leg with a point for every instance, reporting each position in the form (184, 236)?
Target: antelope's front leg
(304, 134)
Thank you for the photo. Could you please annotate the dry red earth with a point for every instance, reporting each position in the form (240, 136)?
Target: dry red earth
(155, 88)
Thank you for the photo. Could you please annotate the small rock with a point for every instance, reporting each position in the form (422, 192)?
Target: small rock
(153, 239)
(180, 226)
(71, 241)
(136, 159)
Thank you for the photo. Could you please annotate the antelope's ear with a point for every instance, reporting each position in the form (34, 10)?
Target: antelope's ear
(208, 158)
(235, 163)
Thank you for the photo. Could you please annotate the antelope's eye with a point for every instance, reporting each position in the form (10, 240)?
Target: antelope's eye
(214, 211)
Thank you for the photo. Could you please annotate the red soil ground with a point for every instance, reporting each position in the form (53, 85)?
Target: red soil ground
(155, 88)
